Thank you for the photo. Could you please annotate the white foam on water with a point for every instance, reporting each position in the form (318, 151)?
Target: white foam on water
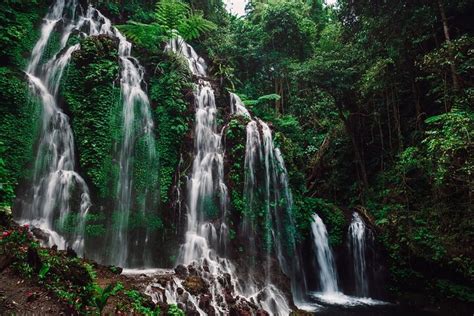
(148, 272)
(338, 298)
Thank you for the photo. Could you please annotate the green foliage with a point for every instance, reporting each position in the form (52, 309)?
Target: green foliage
(102, 295)
(455, 291)
(44, 270)
(436, 65)
(18, 32)
(93, 99)
(69, 278)
(137, 303)
(449, 145)
(332, 216)
(94, 225)
(174, 310)
(18, 126)
(170, 17)
(167, 91)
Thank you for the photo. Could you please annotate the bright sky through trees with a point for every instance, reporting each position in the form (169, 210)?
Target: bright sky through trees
(237, 7)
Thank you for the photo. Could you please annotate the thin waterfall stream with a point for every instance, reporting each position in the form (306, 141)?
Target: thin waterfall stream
(263, 159)
(324, 256)
(358, 237)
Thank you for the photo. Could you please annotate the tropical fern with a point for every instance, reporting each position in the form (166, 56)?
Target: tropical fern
(171, 17)
(169, 14)
(194, 26)
(146, 35)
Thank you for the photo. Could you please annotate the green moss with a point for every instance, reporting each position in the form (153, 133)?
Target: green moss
(167, 92)
(94, 102)
(19, 30)
(19, 118)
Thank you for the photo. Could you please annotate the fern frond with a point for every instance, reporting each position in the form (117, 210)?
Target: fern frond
(194, 26)
(169, 14)
(145, 35)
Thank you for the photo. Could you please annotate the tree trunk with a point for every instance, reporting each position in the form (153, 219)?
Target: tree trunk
(357, 152)
(448, 41)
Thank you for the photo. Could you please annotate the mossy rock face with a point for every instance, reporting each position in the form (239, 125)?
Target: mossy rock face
(196, 285)
(91, 93)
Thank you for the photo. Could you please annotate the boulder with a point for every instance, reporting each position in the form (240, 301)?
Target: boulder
(195, 285)
(181, 271)
(40, 234)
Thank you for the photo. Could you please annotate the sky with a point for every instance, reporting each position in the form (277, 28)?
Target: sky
(237, 7)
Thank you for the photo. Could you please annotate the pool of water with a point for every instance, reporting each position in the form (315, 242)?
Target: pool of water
(341, 305)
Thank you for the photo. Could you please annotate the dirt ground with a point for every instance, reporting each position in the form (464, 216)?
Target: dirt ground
(23, 297)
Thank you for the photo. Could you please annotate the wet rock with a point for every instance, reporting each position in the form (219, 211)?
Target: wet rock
(181, 271)
(164, 280)
(205, 303)
(229, 298)
(40, 234)
(225, 281)
(191, 310)
(262, 312)
(195, 285)
(181, 306)
(33, 259)
(115, 270)
(192, 270)
(180, 291)
(239, 311)
(71, 253)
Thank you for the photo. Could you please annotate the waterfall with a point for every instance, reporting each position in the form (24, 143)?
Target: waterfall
(265, 167)
(54, 177)
(253, 154)
(206, 236)
(357, 239)
(237, 106)
(207, 192)
(324, 257)
(137, 125)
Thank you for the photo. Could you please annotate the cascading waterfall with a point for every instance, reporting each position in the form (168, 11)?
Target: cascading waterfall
(55, 179)
(357, 238)
(262, 159)
(253, 154)
(206, 188)
(137, 125)
(206, 235)
(54, 176)
(324, 257)
(237, 106)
